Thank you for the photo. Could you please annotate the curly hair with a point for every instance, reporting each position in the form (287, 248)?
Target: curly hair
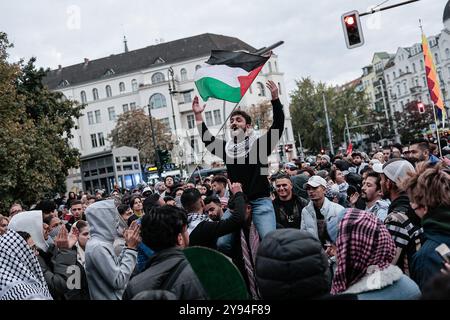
(428, 185)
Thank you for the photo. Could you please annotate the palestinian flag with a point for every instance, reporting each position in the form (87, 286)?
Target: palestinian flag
(228, 75)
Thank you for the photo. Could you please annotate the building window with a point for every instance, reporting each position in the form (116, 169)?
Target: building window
(440, 76)
(417, 82)
(405, 87)
(95, 93)
(436, 58)
(217, 117)
(134, 85)
(81, 142)
(157, 101)
(388, 79)
(183, 73)
(83, 97)
(187, 97)
(157, 78)
(262, 92)
(97, 116)
(447, 53)
(111, 113)
(197, 67)
(133, 105)
(125, 107)
(399, 93)
(407, 69)
(101, 139)
(421, 65)
(108, 91)
(122, 87)
(209, 119)
(394, 75)
(270, 67)
(276, 66)
(424, 81)
(279, 88)
(191, 121)
(414, 67)
(94, 140)
(90, 115)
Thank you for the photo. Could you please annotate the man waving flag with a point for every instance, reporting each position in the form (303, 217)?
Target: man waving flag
(228, 75)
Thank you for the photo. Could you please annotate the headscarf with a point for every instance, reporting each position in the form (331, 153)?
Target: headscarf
(21, 275)
(30, 222)
(363, 241)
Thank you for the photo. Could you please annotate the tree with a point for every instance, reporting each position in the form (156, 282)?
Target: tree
(35, 128)
(308, 115)
(133, 129)
(261, 115)
(411, 122)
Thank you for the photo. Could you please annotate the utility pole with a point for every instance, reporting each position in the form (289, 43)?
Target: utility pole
(347, 142)
(302, 154)
(330, 139)
(158, 161)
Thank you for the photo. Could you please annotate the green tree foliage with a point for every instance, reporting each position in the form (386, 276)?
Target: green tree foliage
(35, 128)
(411, 122)
(308, 115)
(133, 129)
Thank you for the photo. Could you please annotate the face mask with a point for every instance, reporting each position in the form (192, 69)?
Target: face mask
(55, 231)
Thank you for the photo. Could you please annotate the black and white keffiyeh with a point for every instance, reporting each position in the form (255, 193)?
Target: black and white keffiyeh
(21, 275)
(193, 220)
(240, 149)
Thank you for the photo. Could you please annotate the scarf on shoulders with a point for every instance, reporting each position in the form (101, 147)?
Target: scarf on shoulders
(194, 219)
(240, 149)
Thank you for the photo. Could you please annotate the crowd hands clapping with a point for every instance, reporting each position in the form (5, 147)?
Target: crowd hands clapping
(357, 214)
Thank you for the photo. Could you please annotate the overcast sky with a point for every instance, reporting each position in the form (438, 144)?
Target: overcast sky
(64, 32)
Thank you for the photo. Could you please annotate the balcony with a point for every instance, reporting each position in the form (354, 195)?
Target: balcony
(416, 89)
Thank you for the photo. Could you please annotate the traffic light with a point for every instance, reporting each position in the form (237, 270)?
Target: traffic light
(352, 29)
(164, 157)
(421, 107)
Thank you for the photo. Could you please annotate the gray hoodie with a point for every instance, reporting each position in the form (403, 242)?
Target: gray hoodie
(107, 274)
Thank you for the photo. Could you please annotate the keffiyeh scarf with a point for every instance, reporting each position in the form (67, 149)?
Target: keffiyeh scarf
(363, 241)
(193, 220)
(240, 149)
(21, 275)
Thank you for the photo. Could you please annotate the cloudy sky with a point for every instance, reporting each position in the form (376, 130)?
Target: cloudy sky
(64, 32)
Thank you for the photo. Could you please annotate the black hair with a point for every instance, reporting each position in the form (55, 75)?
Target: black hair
(80, 224)
(377, 177)
(151, 202)
(422, 144)
(47, 219)
(189, 198)
(24, 235)
(168, 198)
(47, 206)
(219, 178)
(122, 208)
(75, 202)
(245, 115)
(165, 178)
(161, 226)
(133, 199)
(210, 199)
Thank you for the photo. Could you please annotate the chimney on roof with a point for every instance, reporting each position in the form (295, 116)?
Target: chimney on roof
(86, 61)
(125, 43)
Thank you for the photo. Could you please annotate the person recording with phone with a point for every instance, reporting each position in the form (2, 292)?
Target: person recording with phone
(429, 193)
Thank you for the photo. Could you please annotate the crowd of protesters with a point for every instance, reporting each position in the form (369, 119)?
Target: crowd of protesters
(353, 226)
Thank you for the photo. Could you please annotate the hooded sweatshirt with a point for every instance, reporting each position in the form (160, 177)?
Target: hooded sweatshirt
(30, 222)
(107, 274)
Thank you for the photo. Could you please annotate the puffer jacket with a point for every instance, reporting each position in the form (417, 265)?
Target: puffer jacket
(328, 210)
(291, 264)
(165, 271)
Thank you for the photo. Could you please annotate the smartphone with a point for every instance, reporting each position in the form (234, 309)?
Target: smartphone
(444, 252)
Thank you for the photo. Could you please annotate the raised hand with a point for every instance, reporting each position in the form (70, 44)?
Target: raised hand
(73, 236)
(236, 187)
(62, 239)
(132, 235)
(196, 106)
(273, 89)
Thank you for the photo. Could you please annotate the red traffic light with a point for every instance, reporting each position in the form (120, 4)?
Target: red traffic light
(349, 20)
(352, 29)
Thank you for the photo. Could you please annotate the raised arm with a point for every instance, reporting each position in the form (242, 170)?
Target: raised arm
(276, 129)
(214, 145)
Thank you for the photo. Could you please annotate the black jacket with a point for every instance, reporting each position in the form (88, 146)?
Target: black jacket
(159, 273)
(282, 219)
(207, 232)
(252, 174)
(291, 264)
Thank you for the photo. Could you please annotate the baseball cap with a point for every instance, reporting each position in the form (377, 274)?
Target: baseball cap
(397, 169)
(316, 181)
(378, 168)
(291, 166)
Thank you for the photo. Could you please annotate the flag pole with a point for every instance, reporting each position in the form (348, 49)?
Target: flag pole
(437, 130)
